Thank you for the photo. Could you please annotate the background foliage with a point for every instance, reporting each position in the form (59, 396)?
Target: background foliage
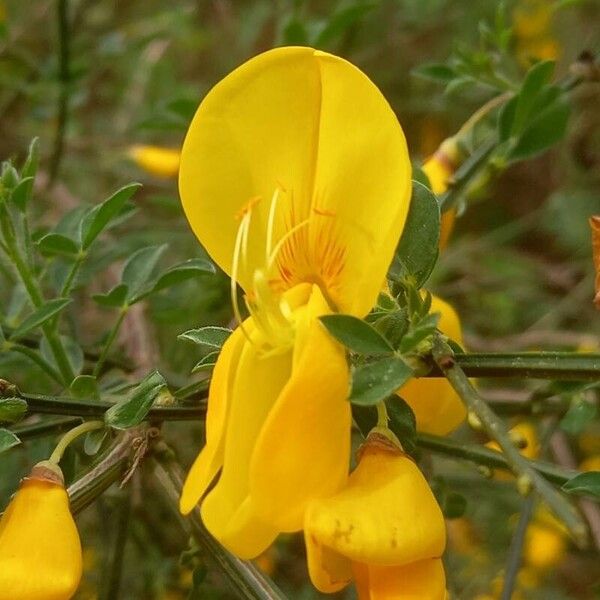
(518, 268)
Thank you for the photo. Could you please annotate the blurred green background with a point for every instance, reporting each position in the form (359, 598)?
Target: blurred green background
(518, 268)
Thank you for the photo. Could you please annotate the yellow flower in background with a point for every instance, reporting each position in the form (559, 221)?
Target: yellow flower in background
(439, 169)
(384, 530)
(532, 26)
(300, 195)
(437, 407)
(592, 463)
(40, 551)
(162, 162)
(525, 437)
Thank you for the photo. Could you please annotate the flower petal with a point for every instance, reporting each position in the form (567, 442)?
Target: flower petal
(328, 570)
(210, 459)
(40, 551)
(437, 407)
(363, 178)
(254, 131)
(422, 580)
(303, 451)
(226, 512)
(385, 515)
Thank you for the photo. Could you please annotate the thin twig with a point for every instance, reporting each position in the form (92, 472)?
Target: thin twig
(527, 476)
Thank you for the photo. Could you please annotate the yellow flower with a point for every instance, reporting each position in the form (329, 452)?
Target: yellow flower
(162, 162)
(384, 529)
(524, 436)
(545, 546)
(592, 463)
(437, 407)
(532, 24)
(295, 177)
(40, 551)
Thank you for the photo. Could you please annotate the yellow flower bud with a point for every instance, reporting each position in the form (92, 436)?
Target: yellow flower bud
(524, 436)
(40, 551)
(162, 162)
(384, 529)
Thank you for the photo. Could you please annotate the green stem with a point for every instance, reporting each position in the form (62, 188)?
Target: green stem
(569, 366)
(481, 455)
(109, 342)
(527, 476)
(247, 581)
(71, 436)
(48, 426)
(516, 549)
(38, 359)
(102, 475)
(56, 405)
(67, 285)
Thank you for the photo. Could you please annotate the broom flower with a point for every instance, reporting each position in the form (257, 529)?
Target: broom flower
(295, 177)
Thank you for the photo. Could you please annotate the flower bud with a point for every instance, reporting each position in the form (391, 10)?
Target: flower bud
(162, 162)
(40, 551)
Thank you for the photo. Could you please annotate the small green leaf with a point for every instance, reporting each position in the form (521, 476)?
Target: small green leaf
(213, 337)
(40, 316)
(7, 440)
(100, 216)
(85, 386)
(207, 362)
(544, 130)
(93, 441)
(537, 77)
(375, 381)
(33, 158)
(356, 334)
(133, 410)
(393, 326)
(12, 409)
(435, 71)
(139, 269)
(580, 414)
(417, 251)
(416, 334)
(506, 117)
(402, 422)
(57, 244)
(21, 193)
(72, 349)
(182, 272)
(113, 299)
(453, 505)
(587, 484)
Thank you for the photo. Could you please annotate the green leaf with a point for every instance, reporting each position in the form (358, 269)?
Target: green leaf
(7, 440)
(57, 244)
(72, 349)
(40, 316)
(356, 334)
(578, 417)
(133, 410)
(21, 193)
(416, 334)
(182, 272)
(543, 131)
(435, 71)
(207, 362)
(12, 409)
(417, 251)
(100, 216)
(33, 158)
(393, 326)
(375, 381)
(587, 484)
(213, 337)
(506, 117)
(453, 505)
(85, 386)
(113, 299)
(402, 422)
(139, 269)
(93, 441)
(537, 77)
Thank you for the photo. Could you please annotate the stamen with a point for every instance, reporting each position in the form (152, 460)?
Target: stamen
(242, 234)
(271, 223)
(283, 240)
